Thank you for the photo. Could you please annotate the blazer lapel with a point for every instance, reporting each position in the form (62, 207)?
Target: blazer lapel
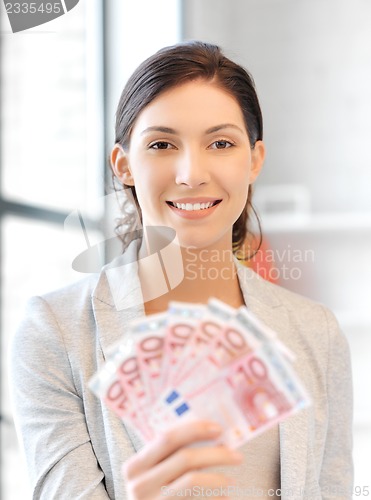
(117, 298)
(260, 299)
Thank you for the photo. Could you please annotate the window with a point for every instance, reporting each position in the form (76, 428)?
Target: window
(51, 163)
(60, 85)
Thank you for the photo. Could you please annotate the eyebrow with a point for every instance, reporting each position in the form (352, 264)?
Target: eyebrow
(223, 126)
(165, 130)
(168, 130)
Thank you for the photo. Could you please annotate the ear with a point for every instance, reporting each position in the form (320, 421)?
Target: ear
(257, 160)
(120, 165)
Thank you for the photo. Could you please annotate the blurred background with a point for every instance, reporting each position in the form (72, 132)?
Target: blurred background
(311, 61)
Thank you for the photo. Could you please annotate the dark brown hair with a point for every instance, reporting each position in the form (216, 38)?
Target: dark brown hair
(175, 65)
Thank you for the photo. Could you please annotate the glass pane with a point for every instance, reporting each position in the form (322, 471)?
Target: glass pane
(37, 258)
(44, 112)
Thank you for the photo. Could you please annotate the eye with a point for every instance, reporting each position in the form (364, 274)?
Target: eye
(222, 144)
(161, 145)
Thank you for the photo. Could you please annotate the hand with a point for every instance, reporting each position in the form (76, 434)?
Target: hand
(169, 462)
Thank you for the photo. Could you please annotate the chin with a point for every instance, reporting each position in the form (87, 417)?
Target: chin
(194, 242)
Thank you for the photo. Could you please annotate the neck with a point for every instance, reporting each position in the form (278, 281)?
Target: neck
(208, 272)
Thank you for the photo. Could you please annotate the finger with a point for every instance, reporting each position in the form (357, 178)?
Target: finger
(183, 463)
(187, 459)
(160, 448)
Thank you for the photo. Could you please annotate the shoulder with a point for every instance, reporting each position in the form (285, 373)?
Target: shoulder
(260, 290)
(306, 312)
(298, 305)
(57, 337)
(72, 294)
(306, 325)
(61, 309)
(51, 318)
(315, 323)
(70, 310)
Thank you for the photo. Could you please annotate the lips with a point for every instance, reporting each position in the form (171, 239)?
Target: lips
(194, 204)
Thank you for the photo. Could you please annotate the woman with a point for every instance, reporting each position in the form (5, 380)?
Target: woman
(188, 146)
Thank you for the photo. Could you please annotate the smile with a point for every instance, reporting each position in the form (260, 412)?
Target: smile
(190, 207)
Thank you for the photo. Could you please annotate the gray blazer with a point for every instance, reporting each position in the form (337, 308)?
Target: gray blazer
(75, 446)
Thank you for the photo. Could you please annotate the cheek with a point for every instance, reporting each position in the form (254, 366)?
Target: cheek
(149, 184)
(239, 176)
(239, 184)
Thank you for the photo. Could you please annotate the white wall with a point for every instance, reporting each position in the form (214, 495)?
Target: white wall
(311, 61)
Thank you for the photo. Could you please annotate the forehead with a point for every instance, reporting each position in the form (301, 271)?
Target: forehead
(200, 103)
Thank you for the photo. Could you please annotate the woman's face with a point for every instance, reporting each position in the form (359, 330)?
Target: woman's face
(191, 163)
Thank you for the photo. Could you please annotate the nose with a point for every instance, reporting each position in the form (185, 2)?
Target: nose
(192, 169)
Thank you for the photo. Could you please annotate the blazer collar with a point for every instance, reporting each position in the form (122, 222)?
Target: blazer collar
(117, 299)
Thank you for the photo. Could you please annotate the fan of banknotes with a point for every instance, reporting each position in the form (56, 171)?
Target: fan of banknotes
(201, 361)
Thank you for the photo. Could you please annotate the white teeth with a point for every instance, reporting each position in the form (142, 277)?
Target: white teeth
(195, 206)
